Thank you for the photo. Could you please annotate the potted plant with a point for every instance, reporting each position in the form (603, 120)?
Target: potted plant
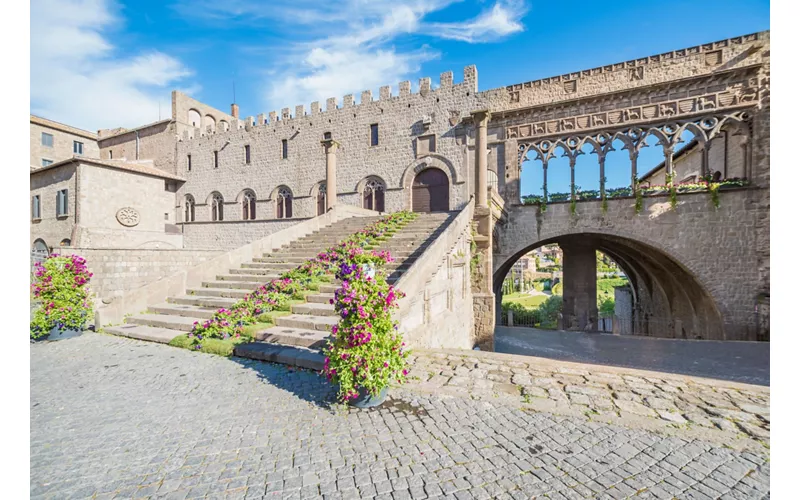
(60, 287)
(365, 353)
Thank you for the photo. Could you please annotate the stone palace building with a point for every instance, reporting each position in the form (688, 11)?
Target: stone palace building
(173, 193)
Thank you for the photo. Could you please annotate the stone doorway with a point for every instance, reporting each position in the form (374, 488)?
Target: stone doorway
(430, 191)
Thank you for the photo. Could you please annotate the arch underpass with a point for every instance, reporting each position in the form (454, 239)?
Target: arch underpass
(691, 271)
(668, 301)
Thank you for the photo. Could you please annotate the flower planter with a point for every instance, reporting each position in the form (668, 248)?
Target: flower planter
(366, 400)
(54, 334)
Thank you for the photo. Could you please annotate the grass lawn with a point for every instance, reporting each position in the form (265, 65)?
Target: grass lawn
(210, 346)
(525, 300)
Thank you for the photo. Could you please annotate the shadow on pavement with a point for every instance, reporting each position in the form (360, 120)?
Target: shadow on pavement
(308, 385)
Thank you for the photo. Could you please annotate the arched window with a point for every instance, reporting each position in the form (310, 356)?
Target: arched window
(717, 176)
(188, 209)
(66, 242)
(322, 204)
(194, 118)
(40, 247)
(249, 205)
(216, 207)
(209, 121)
(283, 209)
(373, 196)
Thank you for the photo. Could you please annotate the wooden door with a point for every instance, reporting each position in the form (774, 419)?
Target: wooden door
(430, 191)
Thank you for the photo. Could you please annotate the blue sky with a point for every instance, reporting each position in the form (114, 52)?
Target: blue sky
(102, 63)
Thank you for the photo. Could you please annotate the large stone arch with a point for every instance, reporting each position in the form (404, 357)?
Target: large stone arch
(660, 250)
(676, 301)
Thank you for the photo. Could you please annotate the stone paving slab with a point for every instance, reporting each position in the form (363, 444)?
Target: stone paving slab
(113, 417)
(730, 412)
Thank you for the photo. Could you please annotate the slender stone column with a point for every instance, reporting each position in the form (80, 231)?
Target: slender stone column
(601, 158)
(330, 173)
(544, 184)
(634, 155)
(704, 159)
(572, 178)
(481, 120)
(668, 166)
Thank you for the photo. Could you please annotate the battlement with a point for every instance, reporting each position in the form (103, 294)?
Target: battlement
(709, 48)
(285, 117)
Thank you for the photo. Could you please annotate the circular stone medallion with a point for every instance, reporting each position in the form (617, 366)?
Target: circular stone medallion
(128, 216)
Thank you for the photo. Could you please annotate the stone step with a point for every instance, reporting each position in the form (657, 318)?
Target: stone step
(294, 259)
(320, 298)
(180, 323)
(314, 339)
(203, 301)
(314, 309)
(252, 277)
(307, 322)
(287, 355)
(142, 332)
(267, 265)
(283, 266)
(303, 254)
(263, 273)
(219, 292)
(239, 285)
(188, 310)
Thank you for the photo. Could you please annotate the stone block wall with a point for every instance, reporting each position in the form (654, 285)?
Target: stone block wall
(156, 142)
(232, 234)
(440, 314)
(119, 270)
(63, 138)
(716, 249)
(401, 119)
(644, 72)
(50, 228)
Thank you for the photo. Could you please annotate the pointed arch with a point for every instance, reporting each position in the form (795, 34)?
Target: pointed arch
(373, 193)
(188, 208)
(217, 203)
(247, 199)
(283, 202)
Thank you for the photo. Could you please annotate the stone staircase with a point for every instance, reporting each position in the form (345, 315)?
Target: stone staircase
(297, 337)
(165, 321)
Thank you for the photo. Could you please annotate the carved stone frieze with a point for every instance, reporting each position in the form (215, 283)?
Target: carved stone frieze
(730, 98)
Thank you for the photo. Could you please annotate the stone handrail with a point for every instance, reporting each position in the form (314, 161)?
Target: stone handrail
(414, 280)
(138, 300)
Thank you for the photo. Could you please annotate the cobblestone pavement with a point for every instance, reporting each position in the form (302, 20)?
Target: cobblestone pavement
(120, 418)
(721, 411)
(746, 362)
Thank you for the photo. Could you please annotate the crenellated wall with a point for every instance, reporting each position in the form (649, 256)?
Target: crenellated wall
(405, 123)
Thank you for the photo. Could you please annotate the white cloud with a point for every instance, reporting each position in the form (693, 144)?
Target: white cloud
(77, 77)
(502, 20)
(359, 52)
(333, 74)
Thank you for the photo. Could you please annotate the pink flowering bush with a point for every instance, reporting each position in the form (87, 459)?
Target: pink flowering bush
(365, 351)
(230, 323)
(61, 286)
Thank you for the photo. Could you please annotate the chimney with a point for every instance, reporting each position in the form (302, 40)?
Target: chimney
(235, 110)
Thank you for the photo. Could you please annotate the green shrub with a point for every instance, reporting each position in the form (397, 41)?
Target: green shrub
(606, 308)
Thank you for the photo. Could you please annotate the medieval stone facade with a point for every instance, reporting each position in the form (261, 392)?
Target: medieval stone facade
(237, 180)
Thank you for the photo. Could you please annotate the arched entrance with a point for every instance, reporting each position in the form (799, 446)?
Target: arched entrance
(430, 191)
(667, 300)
